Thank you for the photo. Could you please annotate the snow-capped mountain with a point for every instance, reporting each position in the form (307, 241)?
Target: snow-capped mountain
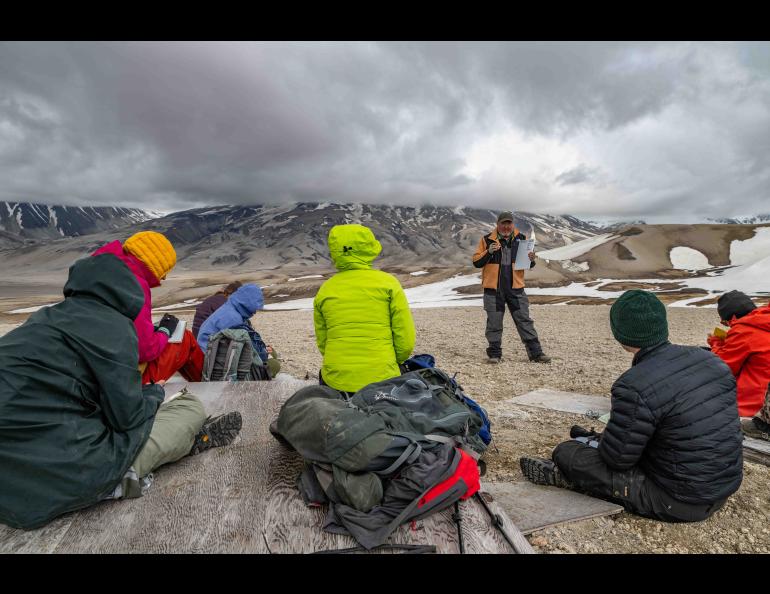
(265, 235)
(26, 221)
(269, 236)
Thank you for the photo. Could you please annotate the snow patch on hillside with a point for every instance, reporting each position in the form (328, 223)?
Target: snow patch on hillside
(686, 258)
(751, 250)
(574, 250)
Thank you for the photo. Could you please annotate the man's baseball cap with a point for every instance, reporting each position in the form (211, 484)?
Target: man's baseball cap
(506, 215)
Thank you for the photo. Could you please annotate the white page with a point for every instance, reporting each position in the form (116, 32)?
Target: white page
(179, 332)
(522, 255)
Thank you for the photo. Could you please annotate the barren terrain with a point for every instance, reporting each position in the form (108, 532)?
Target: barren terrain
(585, 359)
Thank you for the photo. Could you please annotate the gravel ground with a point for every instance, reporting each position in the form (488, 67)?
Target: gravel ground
(586, 359)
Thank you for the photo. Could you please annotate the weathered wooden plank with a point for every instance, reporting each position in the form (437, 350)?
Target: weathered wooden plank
(44, 540)
(756, 450)
(534, 507)
(241, 498)
(564, 401)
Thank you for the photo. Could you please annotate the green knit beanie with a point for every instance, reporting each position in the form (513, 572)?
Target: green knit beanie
(638, 319)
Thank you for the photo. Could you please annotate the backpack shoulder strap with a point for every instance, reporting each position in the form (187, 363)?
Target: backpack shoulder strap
(211, 356)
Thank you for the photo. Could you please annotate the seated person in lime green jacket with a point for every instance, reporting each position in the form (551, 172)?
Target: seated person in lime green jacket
(363, 325)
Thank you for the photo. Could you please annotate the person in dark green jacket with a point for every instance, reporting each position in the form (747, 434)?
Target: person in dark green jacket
(76, 425)
(363, 325)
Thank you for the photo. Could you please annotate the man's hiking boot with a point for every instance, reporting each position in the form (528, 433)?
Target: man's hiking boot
(217, 431)
(543, 472)
(493, 360)
(541, 358)
(756, 428)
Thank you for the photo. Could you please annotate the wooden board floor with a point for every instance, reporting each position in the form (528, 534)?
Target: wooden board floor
(570, 402)
(534, 507)
(237, 499)
(756, 450)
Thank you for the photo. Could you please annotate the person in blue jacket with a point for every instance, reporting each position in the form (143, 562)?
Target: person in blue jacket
(236, 313)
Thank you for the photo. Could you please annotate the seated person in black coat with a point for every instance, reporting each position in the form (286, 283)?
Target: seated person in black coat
(672, 447)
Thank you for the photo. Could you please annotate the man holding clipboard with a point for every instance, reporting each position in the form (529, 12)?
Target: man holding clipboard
(504, 255)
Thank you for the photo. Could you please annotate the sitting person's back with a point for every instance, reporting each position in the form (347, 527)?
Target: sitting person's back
(672, 448)
(674, 414)
(77, 426)
(236, 314)
(74, 414)
(211, 304)
(745, 348)
(364, 328)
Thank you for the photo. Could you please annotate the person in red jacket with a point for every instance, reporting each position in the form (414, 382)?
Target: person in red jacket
(150, 256)
(745, 348)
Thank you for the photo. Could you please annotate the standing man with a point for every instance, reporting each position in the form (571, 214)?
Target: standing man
(503, 286)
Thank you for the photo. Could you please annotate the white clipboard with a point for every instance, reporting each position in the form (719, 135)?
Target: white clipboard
(522, 254)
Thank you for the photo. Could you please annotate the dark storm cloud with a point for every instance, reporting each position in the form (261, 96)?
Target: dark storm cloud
(642, 129)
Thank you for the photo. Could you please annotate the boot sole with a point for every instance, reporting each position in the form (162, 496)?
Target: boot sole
(537, 471)
(218, 432)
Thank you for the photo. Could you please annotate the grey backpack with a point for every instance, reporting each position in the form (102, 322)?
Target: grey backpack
(230, 356)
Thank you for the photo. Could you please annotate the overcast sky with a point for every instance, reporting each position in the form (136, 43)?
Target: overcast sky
(661, 131)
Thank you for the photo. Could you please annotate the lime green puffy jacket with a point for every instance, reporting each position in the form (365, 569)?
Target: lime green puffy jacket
(363, 325)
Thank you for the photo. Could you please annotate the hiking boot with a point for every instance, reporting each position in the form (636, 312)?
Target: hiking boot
(543, 472)
(494, 360)
(756, 428)
(217, 431)
(541, 358)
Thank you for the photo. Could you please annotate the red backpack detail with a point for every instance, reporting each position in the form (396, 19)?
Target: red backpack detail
(467, 470)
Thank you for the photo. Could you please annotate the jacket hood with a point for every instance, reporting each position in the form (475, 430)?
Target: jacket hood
(353, 247)
(759, 318)
(247, 300)
(107, 279)
(116, 248)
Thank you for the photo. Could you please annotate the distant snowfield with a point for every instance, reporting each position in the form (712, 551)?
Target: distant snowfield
(304, 277)
(24, 310)
(751, 250)
(573, 250)
(685, 258)
(186, 303)
(419, 273)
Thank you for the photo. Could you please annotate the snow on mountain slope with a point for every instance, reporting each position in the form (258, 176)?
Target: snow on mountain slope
(574, 250)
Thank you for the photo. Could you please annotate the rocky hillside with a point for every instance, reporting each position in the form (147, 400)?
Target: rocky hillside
(24, 222)
(267, 236)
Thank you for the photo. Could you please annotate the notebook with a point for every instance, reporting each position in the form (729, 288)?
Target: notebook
(179, 332)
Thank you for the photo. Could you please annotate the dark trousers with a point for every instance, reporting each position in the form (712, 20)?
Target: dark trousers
(517, 302)
(584, 467)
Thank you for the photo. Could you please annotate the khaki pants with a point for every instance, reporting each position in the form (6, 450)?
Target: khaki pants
(173, 433)
(273, 364)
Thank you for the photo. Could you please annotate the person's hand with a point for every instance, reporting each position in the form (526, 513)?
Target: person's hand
(161, 382)
(168, 324)
(269, 350)
(493, 247)
(532, 256)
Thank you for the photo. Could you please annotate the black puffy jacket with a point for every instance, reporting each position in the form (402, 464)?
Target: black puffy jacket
(674, 414)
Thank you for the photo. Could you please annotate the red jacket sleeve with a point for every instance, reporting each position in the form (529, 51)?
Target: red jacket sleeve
(735, 349)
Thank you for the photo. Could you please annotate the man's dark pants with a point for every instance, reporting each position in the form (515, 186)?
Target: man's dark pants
(517, 302)
(583, 466)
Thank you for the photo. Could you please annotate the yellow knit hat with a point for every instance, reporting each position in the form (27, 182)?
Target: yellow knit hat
(154, 250)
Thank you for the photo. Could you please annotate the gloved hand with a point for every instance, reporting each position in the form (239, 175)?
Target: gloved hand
(168, 324)
(578, 431)
(493, 247)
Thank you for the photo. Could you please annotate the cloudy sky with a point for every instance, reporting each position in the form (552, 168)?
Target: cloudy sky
(661, 131)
